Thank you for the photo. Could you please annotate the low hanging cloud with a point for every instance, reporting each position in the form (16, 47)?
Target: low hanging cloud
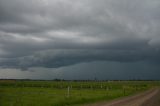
(57, 33)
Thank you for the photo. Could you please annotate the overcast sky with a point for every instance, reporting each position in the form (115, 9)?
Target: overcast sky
(80, 39)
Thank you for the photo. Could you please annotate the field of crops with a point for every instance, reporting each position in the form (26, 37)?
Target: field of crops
(66, 93)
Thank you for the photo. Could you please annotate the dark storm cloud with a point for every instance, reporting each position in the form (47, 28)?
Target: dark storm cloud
(56, 33)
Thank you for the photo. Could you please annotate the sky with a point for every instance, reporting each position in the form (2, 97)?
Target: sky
(80, 39)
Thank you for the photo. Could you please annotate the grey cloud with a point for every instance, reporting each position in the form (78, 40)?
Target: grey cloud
(59, 33)
(60, 58)
(101, 70)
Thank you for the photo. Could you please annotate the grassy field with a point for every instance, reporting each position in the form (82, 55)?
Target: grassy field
(66, 93)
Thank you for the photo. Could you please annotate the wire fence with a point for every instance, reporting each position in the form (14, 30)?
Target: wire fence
(28, 94)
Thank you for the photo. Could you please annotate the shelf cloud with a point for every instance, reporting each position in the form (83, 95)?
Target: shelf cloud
(59, 33)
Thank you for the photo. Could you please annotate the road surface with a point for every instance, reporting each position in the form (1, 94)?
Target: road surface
(148, 98)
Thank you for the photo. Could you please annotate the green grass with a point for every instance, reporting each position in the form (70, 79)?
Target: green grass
(54, 93)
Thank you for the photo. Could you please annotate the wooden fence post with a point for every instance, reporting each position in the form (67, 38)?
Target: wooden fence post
(68, 92)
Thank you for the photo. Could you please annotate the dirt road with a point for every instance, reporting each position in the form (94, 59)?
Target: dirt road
(148, 98)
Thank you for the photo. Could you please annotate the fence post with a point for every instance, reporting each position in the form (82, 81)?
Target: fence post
(101, 86)
(68, 92)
